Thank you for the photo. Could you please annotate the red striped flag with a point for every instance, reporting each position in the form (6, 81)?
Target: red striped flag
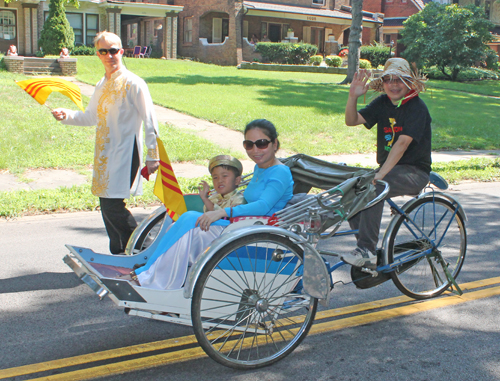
(41, 88)
(167, 188)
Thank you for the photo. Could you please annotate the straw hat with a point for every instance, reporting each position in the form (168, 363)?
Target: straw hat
(225, 160)
(400, 68)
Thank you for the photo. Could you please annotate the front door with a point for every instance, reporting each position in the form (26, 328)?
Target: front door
(318, 38)
(275, 32)
(8, 29)
(216, 31)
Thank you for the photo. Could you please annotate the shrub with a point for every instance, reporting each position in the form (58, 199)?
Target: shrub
(282, 52)
(83, 50)
(316, 60)
(491, 60)
(364, 64)
(377, 54)
(56, 33)
(468, 74)
(156, 53)
(334, 61)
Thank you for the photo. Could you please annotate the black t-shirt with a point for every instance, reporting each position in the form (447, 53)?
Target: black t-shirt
(411, 118)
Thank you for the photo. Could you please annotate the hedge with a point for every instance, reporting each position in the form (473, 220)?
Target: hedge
(286, 53)
(376, 54)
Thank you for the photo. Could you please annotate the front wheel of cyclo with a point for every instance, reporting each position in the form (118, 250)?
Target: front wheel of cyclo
(442, 235)
(248, 309)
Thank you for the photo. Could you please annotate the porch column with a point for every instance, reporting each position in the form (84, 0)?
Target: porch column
(238, 31)
(114, 20)
(30, 12)
(170, 36)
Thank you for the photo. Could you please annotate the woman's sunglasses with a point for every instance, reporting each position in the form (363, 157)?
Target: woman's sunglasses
(111, 51)
(261, 144)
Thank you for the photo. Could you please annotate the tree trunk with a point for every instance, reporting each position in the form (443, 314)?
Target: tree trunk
(354, 40)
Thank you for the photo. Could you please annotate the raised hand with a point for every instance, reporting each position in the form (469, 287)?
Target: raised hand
(359, 84)
(203, 189)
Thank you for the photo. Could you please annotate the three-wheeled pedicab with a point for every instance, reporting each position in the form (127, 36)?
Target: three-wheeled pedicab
(252, 296)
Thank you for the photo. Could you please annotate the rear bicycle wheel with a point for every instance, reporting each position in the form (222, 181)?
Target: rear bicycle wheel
(149, 234)
(247, 309)
(442, 234)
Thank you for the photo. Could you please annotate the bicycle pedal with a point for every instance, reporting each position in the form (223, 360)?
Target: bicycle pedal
(373, 273)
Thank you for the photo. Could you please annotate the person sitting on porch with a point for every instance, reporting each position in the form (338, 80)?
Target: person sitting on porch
(265, 38)
(12, 50)
(64, 53)
(254, 39)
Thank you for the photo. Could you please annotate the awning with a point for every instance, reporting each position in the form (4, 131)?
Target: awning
(290, 12)
(141, 9)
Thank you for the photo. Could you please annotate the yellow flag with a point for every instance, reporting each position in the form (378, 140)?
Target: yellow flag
(167, 188)
(41, 88)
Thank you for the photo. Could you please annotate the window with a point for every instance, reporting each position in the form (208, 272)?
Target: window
(76, 22)
(388, 1)
(188, 29)
(92, 28)
(318, 2)
(7, 25)
(403, 1)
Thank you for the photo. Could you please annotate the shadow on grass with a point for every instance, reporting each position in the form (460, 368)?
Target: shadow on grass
(326, 98)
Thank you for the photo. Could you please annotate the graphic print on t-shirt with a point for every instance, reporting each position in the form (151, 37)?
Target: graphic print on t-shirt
(390, 134)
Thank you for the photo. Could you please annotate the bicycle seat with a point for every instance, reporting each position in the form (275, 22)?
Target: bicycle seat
(438, 181)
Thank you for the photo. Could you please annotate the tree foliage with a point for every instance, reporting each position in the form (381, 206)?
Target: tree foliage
(447, 36)
(56, 33)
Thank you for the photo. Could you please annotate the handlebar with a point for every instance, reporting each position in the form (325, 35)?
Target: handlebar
(381, 196)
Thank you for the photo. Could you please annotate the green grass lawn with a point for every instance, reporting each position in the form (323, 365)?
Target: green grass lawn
(486, 87)
(31, 138)
(307, 108)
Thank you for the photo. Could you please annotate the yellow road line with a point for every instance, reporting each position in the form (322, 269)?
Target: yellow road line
(190, 354)
(187, 340)
(404, 310)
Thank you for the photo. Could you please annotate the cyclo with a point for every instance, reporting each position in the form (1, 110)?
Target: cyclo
(252, 296)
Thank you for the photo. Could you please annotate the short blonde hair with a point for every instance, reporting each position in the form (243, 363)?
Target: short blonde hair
(108, 37)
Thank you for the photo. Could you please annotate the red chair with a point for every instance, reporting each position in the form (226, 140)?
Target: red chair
(143, 51)
(137, 51)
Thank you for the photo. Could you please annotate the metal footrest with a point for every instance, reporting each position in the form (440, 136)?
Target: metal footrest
(86, 278)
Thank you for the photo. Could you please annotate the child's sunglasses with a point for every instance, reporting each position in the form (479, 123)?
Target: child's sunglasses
(111, 51)
(261, 144)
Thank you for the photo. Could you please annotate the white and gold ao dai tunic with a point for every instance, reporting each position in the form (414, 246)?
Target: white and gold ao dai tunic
(118, 108)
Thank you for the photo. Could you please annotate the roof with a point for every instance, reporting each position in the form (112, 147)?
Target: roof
(420, 4)
(139, 9)
(294, 10)
(394, 21)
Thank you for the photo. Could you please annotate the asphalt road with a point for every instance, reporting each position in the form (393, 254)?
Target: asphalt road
(47, 314)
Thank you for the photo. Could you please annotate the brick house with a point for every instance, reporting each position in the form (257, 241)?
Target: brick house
(395, 13)
(215, 31)
(220, 31)
(138, 23)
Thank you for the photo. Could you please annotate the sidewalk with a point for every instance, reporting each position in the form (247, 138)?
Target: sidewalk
(225, 137)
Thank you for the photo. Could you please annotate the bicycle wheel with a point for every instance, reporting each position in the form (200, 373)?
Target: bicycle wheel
(442, 231)
(248, 310)
(149, 234)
